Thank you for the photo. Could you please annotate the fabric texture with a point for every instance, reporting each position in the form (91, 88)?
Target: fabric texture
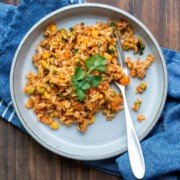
(162, 146)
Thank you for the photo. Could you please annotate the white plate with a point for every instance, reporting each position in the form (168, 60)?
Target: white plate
(103, 139)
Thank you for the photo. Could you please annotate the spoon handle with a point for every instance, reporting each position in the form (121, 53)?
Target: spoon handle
(134, 149)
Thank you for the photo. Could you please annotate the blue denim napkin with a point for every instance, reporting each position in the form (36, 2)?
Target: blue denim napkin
(162, 146)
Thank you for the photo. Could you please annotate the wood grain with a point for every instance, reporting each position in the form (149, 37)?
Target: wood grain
(22, 158)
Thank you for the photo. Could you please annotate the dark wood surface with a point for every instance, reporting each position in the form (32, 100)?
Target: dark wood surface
(22, 158)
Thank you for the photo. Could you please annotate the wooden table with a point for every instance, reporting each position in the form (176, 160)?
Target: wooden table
(22, 158)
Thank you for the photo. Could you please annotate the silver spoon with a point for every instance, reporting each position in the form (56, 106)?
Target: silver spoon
(134, 149)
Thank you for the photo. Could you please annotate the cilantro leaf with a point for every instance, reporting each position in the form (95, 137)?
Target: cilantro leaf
(83, 80)
(94, 80)
(59, 95)
(101, 69)
(85, 86)
(79, 74)
(96, 62)
(76, 51)
(140, 46)
(76, 84)
(112, 24)
(81, 94)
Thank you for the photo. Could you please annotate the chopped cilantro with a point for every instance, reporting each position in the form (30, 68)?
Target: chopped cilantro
(96, 62)
(71, 29)
(76, 51)
(83, 80)
(141, 46)
(112, 24)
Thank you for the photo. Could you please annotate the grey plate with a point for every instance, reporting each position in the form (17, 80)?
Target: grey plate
(103, 139)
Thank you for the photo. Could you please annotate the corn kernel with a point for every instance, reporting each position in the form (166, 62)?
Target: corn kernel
(41, 90)
(54, 125)
(44, 63)
(92, 119)
(109, 57)
(64, 37)
(66, 54)
(73, 37)
(51, 85)
(86, 40)
(112, 47)
(31, 90)
(52, 114)
(52, 27)
(143, 86)
(46, 95)
(77, 60)
(95, 33)
(100, 96)
(45, 55)
(126, 46)
(47, 46)
(62, 30)
(113, 94)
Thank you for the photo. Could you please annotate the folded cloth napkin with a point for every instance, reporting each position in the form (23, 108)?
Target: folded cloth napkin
(162, 146)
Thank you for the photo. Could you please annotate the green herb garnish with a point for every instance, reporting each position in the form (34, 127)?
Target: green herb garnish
(141, 46)
(123, 31)
(64, 38)
(59, 95)
(111, 49)
(94, 80)
(76, 51)
(71, 29)
(96, 62)
(83, 80)
(112, 24)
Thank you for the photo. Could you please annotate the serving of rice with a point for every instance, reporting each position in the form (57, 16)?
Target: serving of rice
(51, 93)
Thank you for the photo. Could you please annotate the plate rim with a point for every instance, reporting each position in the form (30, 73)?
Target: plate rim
(42, 142)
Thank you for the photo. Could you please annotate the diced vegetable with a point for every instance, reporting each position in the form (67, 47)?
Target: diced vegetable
(95, 33)
(119, 99)
(31, 90)
(77, 60)
(125, 81)
(40, 90)
(62, 30)
(136, 105)
(45, 55)
(47, 46)
(54, 125)
(71, 29)
(126, 46)
(76, 51)
(100, 96)
(64, 37)
(46, 95)
(52, 27)
(112, 24)
(141, 46)
(111, 49)
(92, 119)
(141, 87)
